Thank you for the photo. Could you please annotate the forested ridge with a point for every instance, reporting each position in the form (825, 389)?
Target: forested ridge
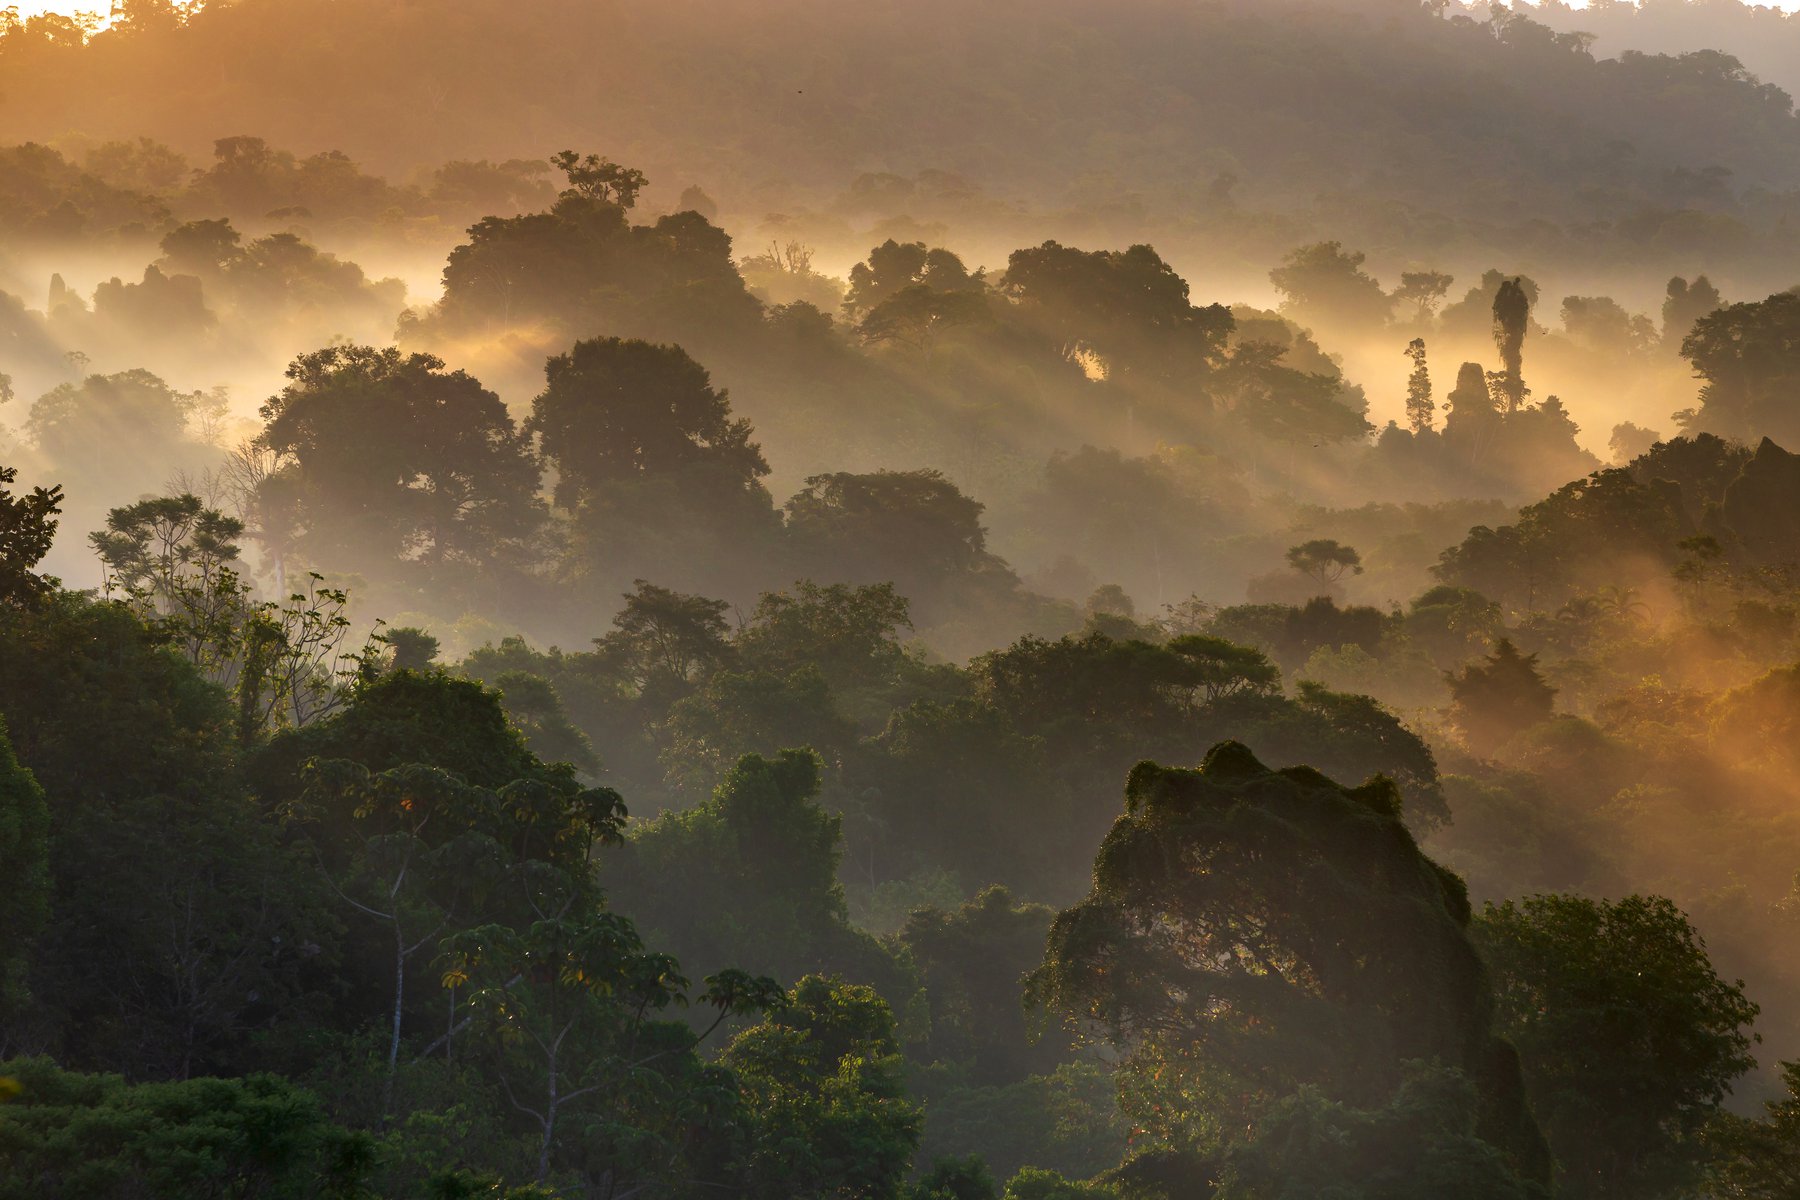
(995, 602)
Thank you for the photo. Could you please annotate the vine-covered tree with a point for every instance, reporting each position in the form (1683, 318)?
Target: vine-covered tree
(1251, 932)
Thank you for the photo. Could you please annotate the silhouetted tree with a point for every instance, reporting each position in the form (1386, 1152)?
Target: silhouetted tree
(1419, 405)
(1512, 315)
(1499, 697)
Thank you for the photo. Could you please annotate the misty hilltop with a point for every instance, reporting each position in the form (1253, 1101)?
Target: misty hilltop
(1384, 120)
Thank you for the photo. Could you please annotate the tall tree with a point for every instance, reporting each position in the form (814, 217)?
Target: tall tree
(1512, 316)
(1629, 1039)
(389, 456)
(1419, 405)
(1252, 931)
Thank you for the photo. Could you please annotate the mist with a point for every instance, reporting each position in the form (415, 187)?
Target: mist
(913, 601)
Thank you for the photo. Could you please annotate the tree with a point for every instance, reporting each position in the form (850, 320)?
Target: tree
(1470, 398)
(27, 529)
(1128, 306)
(417, 849)
(662, 640)
(536, 708)
(1419, 406)
(973, 960)
(823, 1096)
(98, 1136)
(173, 559)
(392, 455)
(1631, 441)
(1512, 316)
(1749, 356)
(918, 315)
(750, 877)
(852, 634)
(1684, 304)
(596, 178)
(893, 268)
(1758, 1160)
(739, 712)
(621, 416)
(1250, 932)
(914, 529)
(1499, 697)
(1629, 1039)
(1286, 404)
(1424, 289)
(1325, 282)
(570, 1017)
(966, 1178)
(1421, 1145)
(414, 649)
(25, 866)
(583, 266)
(111, 430)
(1324, 561)
(181, 922)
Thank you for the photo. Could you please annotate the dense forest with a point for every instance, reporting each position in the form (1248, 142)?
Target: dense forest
(1053, 601)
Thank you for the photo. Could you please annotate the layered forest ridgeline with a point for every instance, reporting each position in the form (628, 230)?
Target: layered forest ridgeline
(1227, 130)
(1017, 602)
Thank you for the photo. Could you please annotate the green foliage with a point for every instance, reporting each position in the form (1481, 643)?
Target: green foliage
(1067, 1120)
(161, 870)
(402, 718)
(1035, 1183)
(1757, 1160)
(914, 529)
(973, 961)
(1629, 1040)
(824, 1107)
(851, 634)
(750, 877)
(66, 1134)
(27, 527)
(1421, 1145)
(25, 868)
(414, 649)
(751, 712)
(662, 639)
(537, 709)
(955, 1179)
(570, 1013)
(1250, 932)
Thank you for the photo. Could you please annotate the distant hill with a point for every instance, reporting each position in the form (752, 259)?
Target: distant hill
(1381, 121)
